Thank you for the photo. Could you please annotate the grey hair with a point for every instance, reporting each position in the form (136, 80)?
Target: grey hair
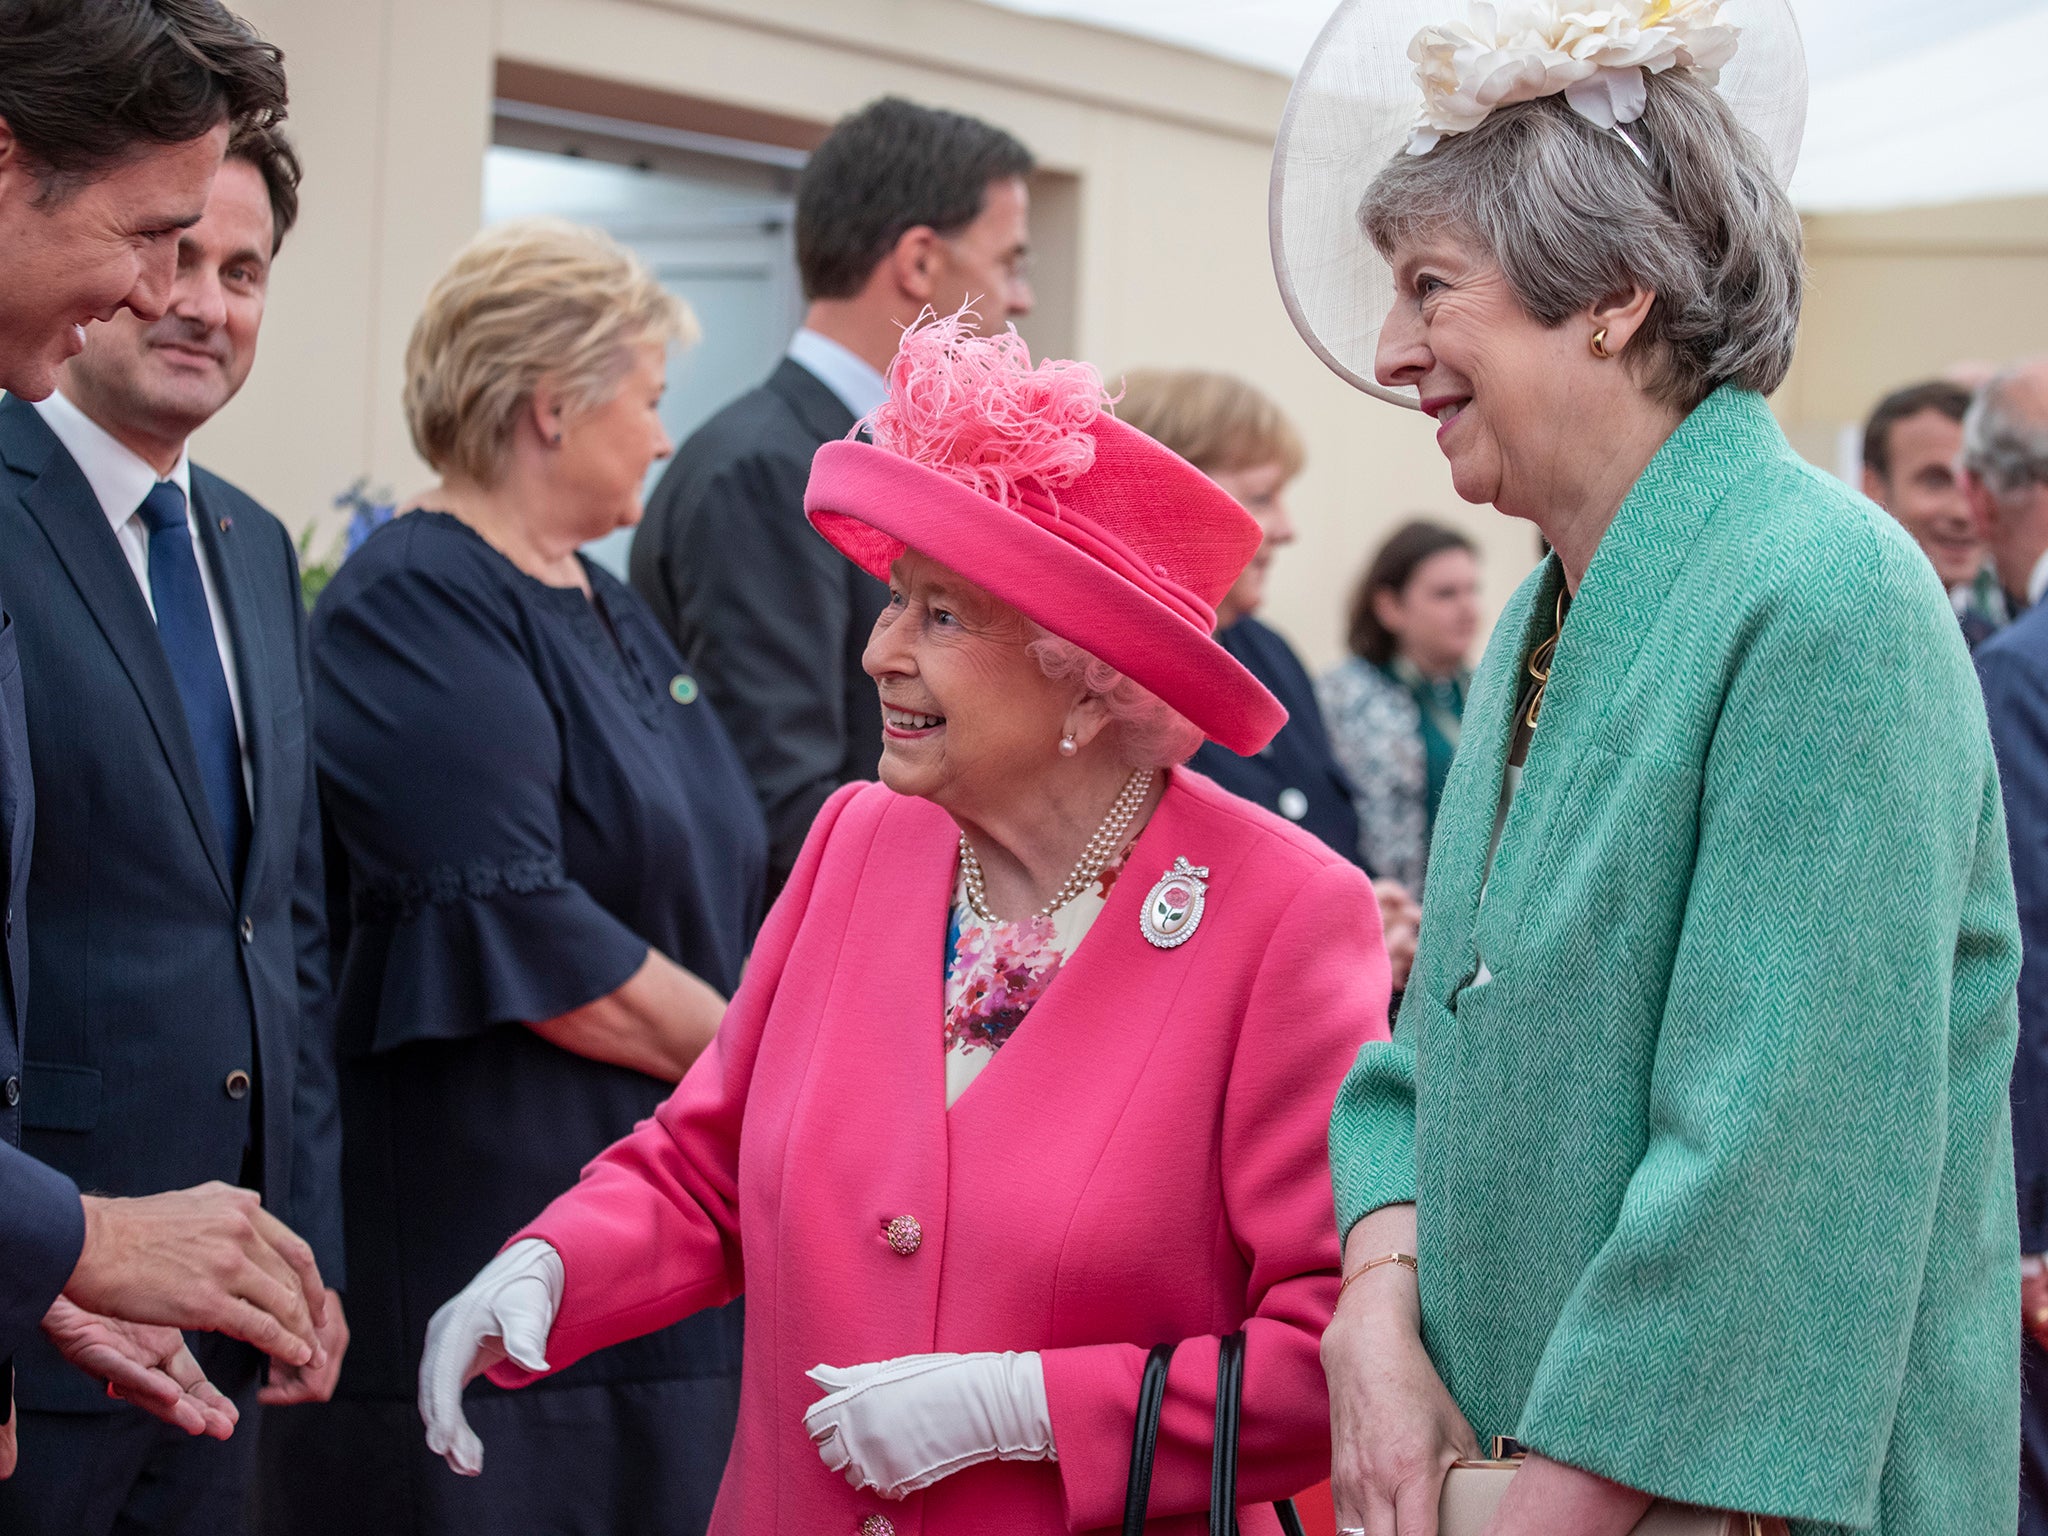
(1573, 216)
(1150, 732)
(2004, 445)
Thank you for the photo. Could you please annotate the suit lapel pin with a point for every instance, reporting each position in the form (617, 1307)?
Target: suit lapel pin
(226, 523)
(1174, 909)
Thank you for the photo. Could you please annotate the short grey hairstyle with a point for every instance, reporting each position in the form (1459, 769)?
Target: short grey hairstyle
(2005, 444)
(1572, 216)
(1150, 732)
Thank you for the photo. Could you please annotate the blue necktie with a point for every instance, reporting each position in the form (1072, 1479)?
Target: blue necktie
(186, 629)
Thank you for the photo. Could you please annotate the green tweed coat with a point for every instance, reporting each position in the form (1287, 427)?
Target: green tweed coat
(1714, 1172)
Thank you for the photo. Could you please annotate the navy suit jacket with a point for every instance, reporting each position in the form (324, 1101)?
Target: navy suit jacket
(42, 1226)
(155, 979)
(2013, 667)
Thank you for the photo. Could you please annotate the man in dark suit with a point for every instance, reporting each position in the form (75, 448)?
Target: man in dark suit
(900, 210)
(178, 957)
(2005, 463)
(113, 118)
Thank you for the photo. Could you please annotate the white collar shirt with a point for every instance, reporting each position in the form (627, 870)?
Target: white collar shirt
(849, 376)
(2037, 580)
(120, 479)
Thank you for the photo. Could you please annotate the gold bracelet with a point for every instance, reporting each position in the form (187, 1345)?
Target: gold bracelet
(1371, 1264)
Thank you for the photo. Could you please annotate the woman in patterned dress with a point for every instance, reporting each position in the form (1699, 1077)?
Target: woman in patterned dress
(1394, 706)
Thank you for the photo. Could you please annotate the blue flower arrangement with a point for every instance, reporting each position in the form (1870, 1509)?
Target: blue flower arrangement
(367, 512)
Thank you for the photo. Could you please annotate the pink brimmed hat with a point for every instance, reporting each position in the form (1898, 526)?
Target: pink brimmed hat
(1019, 479)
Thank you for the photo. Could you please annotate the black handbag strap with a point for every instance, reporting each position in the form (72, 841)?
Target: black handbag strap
(1145, 1439)
(1222, 1464)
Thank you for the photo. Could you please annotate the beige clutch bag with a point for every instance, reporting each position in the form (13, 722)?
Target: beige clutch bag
(1474, 1489)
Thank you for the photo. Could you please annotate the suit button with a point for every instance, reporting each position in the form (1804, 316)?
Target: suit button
(877, 1525)
(13, 1092)
(905, 1235)
(248, 930)
(237, 1085)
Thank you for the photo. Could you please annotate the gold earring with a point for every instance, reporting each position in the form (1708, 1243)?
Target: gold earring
(1600, 344)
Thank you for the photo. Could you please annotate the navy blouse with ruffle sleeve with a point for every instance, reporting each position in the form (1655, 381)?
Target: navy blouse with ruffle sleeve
(524, 793)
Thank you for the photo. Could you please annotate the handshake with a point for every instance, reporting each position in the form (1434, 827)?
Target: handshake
(209, 1258)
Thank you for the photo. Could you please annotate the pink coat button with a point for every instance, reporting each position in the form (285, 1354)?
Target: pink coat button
(877, 1525)
(905, 1235)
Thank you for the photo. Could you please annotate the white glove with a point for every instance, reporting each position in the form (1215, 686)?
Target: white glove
(508, 1309)
(900, 1425)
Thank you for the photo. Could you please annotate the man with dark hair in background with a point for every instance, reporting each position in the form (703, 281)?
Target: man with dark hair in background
(1910, 449)
(901, 209)
(178, 961)
(114, 115)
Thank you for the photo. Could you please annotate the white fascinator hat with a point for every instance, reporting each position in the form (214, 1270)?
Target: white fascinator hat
(1392, 77)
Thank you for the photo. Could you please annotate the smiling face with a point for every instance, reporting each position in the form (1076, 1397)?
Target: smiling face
(967, 712)
(109, 245)
(1510, 395)
(1259, 491)
(152, 384)
(1924, 491)
(606, 451)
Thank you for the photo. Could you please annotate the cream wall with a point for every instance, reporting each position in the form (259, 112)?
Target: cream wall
(1899, 297)
(1169, 150)
(1164, 220)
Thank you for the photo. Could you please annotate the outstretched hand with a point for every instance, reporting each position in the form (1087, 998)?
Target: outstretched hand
(507, 1311)
(142, 1363)
(209, 1258)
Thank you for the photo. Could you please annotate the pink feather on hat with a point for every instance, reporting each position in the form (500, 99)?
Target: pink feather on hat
(975, 409)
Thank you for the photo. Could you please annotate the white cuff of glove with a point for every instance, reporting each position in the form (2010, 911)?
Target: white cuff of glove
(900, 1425)
(507, 1310)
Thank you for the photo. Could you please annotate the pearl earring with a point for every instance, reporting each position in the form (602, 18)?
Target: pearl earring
(1069, 746)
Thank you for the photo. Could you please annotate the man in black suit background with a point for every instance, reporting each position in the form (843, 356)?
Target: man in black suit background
(178, 956)
(901, 209)
(113, 118)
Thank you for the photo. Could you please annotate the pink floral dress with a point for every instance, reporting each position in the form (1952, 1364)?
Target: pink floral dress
(995, 972)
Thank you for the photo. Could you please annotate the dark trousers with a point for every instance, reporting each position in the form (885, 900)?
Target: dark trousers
(2033, 1438)
(126, 1474)
(628, 1458)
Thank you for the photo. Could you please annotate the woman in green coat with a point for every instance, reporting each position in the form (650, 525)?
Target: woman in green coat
(1689, 1164)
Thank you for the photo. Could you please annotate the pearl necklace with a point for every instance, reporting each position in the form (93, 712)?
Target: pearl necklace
(1102, 847)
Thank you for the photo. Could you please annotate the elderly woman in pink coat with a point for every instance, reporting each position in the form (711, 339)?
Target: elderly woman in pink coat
(1031, 1067)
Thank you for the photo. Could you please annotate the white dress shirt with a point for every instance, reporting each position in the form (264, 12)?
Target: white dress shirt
(859, 388)
(2037, 580)
(120, 479)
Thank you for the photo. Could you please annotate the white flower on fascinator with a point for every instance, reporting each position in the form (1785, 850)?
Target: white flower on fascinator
(1508, 51)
